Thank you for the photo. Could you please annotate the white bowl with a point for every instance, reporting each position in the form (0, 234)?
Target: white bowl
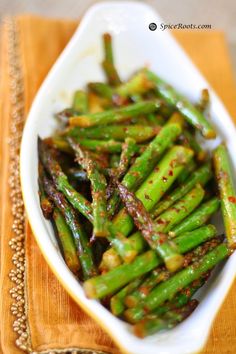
(135, 45)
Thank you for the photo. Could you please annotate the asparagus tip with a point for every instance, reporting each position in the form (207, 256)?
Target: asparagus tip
(139, 330)
(174, 262)
(89, 290)
(130, 318)
(81, 121)
(131, 301)
(116, 306)
(109, 261)
(129, 256)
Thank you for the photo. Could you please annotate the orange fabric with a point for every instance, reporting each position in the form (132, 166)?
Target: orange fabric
(54, 320)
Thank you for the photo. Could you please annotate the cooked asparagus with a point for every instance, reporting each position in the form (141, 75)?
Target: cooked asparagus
(227, 192)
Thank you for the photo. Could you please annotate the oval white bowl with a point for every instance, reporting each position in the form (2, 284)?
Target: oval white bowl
(134, 45)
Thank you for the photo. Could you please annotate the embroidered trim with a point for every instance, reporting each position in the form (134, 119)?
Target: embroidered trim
(17, 242)
(17, 274)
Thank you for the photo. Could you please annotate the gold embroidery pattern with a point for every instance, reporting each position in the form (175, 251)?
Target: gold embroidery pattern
(17, 275)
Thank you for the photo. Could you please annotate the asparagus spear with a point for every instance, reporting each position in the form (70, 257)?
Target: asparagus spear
(157, 183)
(101, 89)
(115, 115)
(155, 119)
(191, 141)
(59, 143)
(128, 151)
(98, 186)
(111, 73)
(67, 242)
(117, 301)
(108, 63)
(201, 175)
(118, 132)
(45, 203)
(156, 240)
(47, 157)
(138, 84)
(182, 208)
(198, 218)
(182, 297)
(95, 104)
(167, 220)
(150, 192)
(146, 162)
(80, 102)
(189, 169)
(108, 51)
(166, 290)
(152, 324)
(101, 225)
(110, 282)
(109, 146)
(177, 118)
(82, 243)
(192, 115)
(161, 274)
(227, 192)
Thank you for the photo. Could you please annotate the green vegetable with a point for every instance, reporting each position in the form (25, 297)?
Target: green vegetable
(151, 191)
(47, 156)
(191, 141)
(108, 63)
(224, 178)
(108, 283)
(198, 218)
(98, 187)
(138, 84)
(101, 89)
(45, 204)
(117, 301)
(156, 240)
(129, 149)
(159, 274)
(166, 290)
(156, 184)
(182, 208)
(80, 102)
(189, 169)
(80, 238)
(67, 242)
(118, 132)
(191, 114)
(201, 175)
(152, 324)
(145, 163)
(115, 115)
